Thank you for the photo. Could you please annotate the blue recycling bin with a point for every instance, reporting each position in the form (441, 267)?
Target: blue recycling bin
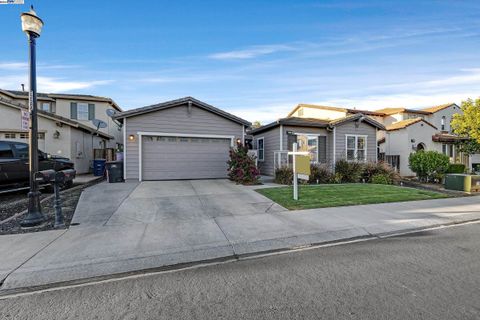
(99, 167)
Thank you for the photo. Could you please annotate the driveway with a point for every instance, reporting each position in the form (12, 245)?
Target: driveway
(156, 201)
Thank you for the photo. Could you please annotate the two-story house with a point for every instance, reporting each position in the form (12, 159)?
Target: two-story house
(65, 124)
(410, 130)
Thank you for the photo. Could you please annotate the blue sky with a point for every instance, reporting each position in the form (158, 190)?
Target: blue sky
(257, 59)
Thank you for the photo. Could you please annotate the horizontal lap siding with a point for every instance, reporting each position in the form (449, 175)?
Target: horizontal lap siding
(175, 120)
(271, 144)
(363, 129)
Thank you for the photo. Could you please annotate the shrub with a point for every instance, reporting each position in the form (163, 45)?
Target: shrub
(241, 166)
(381, 178)
(348, 171)
(320, 173)
(456, 168)
(380, 168)
(428, 165)
(284, 175)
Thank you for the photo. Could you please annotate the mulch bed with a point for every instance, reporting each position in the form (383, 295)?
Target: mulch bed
(69, 199)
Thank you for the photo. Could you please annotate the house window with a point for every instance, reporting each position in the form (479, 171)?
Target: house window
(10, 135)
(82, 111)
(41, 135)
(261, 149)
(443, 123)
(45, 106)
(356, 148)
(24, 135)
(448, 150)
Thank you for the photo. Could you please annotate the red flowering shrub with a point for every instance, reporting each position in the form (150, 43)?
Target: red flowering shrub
(241, 166)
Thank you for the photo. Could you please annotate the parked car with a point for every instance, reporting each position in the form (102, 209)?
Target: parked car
(14, 170)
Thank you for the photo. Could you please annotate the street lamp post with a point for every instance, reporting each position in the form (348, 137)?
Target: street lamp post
(32, 26)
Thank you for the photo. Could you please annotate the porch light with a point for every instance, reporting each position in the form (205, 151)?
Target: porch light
(131, 137)
(31, 23)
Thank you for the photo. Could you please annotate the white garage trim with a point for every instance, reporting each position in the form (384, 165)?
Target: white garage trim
(124, 148)
(164, 134)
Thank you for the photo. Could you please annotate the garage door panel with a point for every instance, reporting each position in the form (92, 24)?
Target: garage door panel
(171, 158)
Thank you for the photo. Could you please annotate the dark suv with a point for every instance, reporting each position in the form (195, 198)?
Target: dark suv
(14, 171)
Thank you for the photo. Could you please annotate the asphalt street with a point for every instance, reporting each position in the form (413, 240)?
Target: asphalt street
(428, 275)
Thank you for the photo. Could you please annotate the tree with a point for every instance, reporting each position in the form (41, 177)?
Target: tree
(256, 124)
(467, 124)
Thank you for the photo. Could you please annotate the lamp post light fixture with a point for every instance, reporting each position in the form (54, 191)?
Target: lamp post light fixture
(32, 26)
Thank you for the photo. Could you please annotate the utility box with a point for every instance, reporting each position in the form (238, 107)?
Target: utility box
(462, 182)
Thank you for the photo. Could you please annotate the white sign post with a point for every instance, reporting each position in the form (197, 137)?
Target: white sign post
(294, 153)
(25, 118)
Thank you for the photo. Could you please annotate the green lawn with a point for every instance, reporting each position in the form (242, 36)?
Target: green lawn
(334, 195)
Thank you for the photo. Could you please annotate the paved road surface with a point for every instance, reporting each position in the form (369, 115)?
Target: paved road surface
(430, 275)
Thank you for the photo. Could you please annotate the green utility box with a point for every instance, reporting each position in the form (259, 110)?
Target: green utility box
(462, 182)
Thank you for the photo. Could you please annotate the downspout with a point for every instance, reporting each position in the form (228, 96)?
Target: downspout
(334, 147)
(281, 137)
(124, 148)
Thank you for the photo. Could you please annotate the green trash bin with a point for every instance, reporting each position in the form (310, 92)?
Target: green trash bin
(114, 171)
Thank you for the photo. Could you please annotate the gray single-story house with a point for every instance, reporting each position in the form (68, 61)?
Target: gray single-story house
(179, 139)
(353, 137)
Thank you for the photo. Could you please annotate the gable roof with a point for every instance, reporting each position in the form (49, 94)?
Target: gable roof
(52, 96)
(339, 109)
(439, 107)
(179, 102)
(317, 123)
(406, 123)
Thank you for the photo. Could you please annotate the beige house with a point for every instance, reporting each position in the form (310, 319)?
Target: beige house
(65, 124)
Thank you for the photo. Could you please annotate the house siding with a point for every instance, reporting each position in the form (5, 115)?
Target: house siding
(350, 128)
(175, 120)
(271, 143)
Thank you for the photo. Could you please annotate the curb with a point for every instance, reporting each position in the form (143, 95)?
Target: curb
(4, 294)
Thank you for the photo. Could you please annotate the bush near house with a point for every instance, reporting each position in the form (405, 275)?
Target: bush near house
(284, 175)
(241, 166)
(321, 173)
(430, 166)
(380, 171)
(456, 168)
(346, 172)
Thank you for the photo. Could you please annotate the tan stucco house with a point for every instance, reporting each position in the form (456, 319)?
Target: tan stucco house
(65, 124)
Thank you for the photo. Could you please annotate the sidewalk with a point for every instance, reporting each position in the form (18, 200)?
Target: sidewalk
(95, 251)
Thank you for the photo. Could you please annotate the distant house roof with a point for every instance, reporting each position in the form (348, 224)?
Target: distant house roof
(390, 111)
(317, 123)
(406, 123)
(340, 109)
(446, 137)
(58, 118)
(439, 107)
(52, 96)
(178, 102)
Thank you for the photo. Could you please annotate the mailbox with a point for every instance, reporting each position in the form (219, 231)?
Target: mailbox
(45, 176)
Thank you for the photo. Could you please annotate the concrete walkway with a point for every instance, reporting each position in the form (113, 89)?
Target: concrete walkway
(113, 239)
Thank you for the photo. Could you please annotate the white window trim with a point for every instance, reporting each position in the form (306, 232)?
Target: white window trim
(356, 146)
(141, 134)
(263, 139)
(78, 110)
(125, 149)
(318, 141)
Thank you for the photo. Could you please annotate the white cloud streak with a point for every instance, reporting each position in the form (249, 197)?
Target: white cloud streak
(251, 52)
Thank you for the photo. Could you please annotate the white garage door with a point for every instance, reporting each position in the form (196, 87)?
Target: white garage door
(173, 158)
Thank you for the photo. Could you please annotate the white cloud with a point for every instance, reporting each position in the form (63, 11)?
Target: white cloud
(251, 52)
(13, 65)
(49, 84)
